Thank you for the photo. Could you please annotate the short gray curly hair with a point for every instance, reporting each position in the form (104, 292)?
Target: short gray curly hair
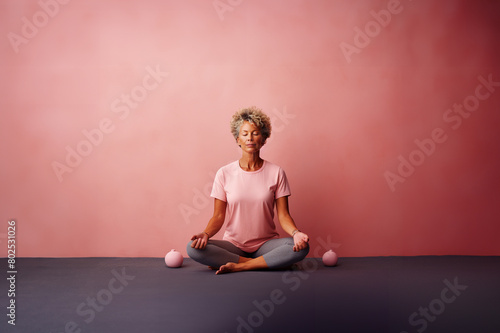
(253, 115)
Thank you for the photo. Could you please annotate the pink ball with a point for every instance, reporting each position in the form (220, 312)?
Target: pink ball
(174, 259)
(330, 258)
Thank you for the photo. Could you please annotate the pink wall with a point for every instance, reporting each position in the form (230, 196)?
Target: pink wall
(346, 106)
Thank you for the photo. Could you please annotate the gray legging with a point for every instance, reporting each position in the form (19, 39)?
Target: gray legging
(277, 252)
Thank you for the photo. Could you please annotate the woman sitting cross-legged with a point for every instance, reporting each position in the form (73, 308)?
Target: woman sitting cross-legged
(245, 193)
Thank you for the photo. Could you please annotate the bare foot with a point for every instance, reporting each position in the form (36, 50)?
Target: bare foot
(228, 268)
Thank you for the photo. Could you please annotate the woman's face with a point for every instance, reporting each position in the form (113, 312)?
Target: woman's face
(250, 138)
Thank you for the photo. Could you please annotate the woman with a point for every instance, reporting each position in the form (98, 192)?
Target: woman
(245, 194)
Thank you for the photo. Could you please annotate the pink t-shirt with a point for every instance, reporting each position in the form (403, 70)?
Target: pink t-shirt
(250, 198)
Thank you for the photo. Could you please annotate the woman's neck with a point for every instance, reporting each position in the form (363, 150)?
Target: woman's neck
(251, 162)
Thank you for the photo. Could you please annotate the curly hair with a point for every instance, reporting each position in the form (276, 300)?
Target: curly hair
(255, 116)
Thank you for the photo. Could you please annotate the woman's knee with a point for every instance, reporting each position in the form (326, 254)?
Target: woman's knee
(303, 253)
(192, 252)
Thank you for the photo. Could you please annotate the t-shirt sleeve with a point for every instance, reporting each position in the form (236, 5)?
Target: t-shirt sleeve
(282, 188)
(218, 187)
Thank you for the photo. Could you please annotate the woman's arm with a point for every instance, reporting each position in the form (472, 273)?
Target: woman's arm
(300, 239)
(200, 240)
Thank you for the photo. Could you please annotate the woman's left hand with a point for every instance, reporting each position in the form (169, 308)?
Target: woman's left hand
(300, 241)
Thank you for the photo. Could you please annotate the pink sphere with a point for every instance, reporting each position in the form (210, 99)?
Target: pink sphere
(174, 259)
(330, 258)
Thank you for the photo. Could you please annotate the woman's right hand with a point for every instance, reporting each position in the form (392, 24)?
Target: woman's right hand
(199, 241)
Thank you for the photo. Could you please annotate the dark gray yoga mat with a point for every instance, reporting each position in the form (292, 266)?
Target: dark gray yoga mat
(378, 294)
